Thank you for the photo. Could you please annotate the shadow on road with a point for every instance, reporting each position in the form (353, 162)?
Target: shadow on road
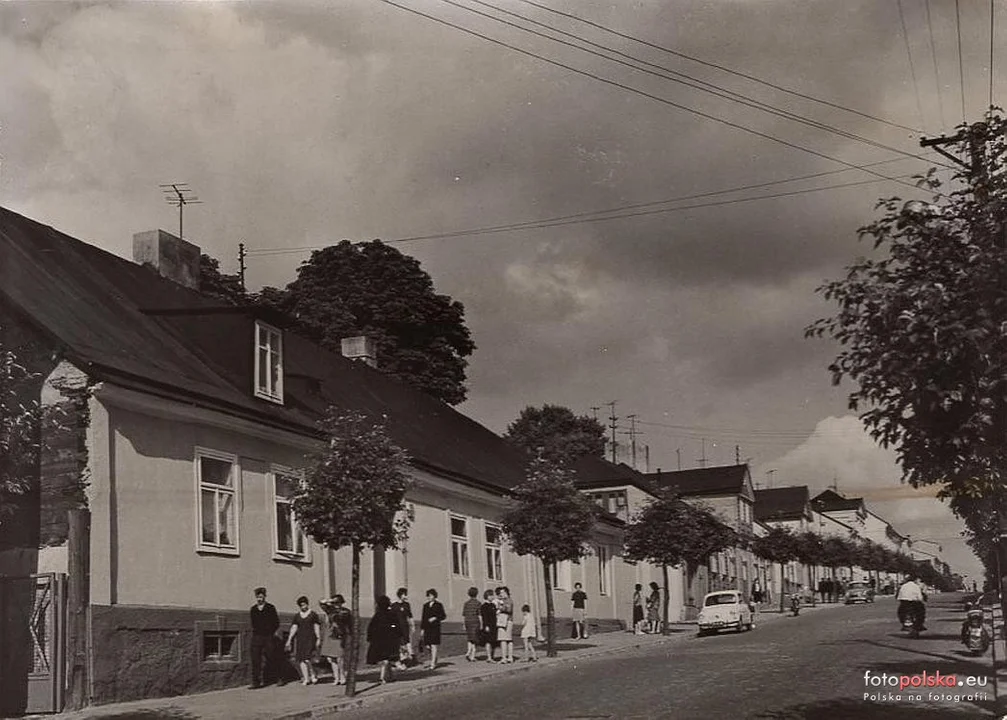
(861, 710)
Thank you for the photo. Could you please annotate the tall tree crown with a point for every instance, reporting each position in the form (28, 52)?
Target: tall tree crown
(557, 433)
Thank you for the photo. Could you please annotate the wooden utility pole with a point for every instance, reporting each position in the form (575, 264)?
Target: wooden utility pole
(612, 426)
(241, 264)
(78, 602)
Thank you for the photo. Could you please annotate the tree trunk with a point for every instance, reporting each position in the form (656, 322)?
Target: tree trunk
(550, 613)
(783, 593)
(664, 601)
(354, 654)
(811, 583)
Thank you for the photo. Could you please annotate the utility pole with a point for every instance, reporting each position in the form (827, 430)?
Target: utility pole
(769, 478)
(646, 456)
(241, 264)
(179, 195)
(737, 455)
(632, 432)
(702, 460)
(678, 454)
(612, 426)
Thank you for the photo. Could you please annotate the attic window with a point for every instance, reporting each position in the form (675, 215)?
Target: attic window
(268, 363)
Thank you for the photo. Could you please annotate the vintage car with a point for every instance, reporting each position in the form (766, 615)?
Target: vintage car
(724, 610)
(859, 591)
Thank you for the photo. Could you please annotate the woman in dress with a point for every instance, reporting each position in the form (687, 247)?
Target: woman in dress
(488, 624)
(305, 636)
(505, 624)
(430, 625)
(638, 610)
(654, 608)
(335, 633)
(384, 637)
(470, 615)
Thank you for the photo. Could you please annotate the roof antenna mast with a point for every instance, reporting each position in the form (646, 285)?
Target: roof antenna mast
(179, 195)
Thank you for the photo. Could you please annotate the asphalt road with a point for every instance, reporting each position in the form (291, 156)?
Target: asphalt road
(812, 666)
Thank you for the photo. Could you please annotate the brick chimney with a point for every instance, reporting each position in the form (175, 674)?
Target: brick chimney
(172, 257)
(362, 348)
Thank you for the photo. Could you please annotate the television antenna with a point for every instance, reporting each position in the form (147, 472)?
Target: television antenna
(179, 195)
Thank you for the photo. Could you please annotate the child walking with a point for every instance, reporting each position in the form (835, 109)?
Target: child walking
(528, 634)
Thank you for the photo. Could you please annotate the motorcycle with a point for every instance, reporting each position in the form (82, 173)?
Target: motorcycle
(975, 636)
(795, 604)
(911, 623)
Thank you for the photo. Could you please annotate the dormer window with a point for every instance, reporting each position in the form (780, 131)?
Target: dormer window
(268, 363)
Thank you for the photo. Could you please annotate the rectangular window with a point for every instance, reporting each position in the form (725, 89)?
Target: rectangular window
(220, 646)
(268, 363)
(217, 486)
(288, 539)
(604, 569)
(459, 546)
(494, 554)
(621, 504)
(562, 575)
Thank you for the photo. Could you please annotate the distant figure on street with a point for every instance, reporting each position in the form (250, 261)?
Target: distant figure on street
(470, 616)
(406, 626)
(384, 638)
(579, 611)
(823, 589)
(638, 610)
(305, 637)
(756, 591)
(430, 625)
(488, 624)
(528, 633)
(265, 622)
(337, 626)
(505, 624)
(654, 608)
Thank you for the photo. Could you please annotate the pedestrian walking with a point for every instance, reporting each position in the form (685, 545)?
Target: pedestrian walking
(384, 638)
(406, 624)
(336, 629)
(305, 637)
(638, 610)
(528, 634)
(488, 624)
(654, 608)
(505, 624)
(757, 592)
(430, 625)
(578, 601)
(265, 622)
(470, 616)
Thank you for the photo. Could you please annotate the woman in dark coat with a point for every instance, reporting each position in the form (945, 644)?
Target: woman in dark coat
(383, 637)
(488, 624)
(430, 625)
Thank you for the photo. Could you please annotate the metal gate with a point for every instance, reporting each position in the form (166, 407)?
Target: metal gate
(32, 643)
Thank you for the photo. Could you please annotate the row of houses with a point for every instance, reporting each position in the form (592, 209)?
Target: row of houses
(163, 494)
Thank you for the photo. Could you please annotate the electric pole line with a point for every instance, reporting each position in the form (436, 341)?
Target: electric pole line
(179, 195)
(702, 460)
(632, 432)
(612, 426)
(241, 264)
(737, 455)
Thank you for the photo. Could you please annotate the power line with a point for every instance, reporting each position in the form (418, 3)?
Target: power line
(631, 89)
(912, 66)
(542, 225)
(961, 64)
(937, 77)
(664, 71)
(729, 432)
(722, 68)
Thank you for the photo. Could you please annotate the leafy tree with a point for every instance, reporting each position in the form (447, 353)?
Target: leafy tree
(557, 433)
(373, 289)
(779, 545)
(550, 519)
(836, 551)
(215, 283)
(20, 422)
(921, 325)
(810, 552)
(353, 496)
(703, 534)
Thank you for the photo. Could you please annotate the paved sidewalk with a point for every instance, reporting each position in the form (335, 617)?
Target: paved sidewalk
(297, 702)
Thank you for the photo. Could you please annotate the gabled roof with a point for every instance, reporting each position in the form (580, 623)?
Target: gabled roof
(120, 322)
(721, 480)
(595, 472)
(785, 503)
(830, 501)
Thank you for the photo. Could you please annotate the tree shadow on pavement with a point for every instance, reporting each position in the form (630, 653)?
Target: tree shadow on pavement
(845, 709)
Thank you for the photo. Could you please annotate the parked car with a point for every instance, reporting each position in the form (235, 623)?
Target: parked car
(859, 592)
(724, 610)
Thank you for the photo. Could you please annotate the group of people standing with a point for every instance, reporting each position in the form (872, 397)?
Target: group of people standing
(647, 609)
(831, 589)
(490, 624)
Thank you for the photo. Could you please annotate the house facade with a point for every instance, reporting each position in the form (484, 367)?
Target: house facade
(164, 493)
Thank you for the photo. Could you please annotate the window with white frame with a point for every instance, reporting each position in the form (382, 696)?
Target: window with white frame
(494, 553)
(268, 363)
(289, 540)
(459, 546)
(562, 575)
(604, 570)
(217, 490)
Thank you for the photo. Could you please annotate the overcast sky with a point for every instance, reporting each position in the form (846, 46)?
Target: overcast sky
(300, 124)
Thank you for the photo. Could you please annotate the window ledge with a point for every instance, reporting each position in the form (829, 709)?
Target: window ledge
(291, 558)
(210, 550)
(263, 395)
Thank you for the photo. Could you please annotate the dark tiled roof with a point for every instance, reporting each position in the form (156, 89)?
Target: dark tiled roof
(96, 308)
(595, 472)
(722, 480)
(785, 503)
(830, 500)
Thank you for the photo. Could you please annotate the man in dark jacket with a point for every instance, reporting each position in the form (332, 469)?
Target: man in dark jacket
(265, 623)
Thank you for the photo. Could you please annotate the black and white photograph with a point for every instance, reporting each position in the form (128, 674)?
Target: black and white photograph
(559, 359)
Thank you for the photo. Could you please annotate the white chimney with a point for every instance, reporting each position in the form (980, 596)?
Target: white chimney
(172, 257)
(362, 348)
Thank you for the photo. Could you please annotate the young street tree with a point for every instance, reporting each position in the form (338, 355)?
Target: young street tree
(779, 545)
(373, 289)
(811, 552)
(664, 532)
(353, 496)
(556, 433)
(702, 534)
(552, 520)
(921, 326)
